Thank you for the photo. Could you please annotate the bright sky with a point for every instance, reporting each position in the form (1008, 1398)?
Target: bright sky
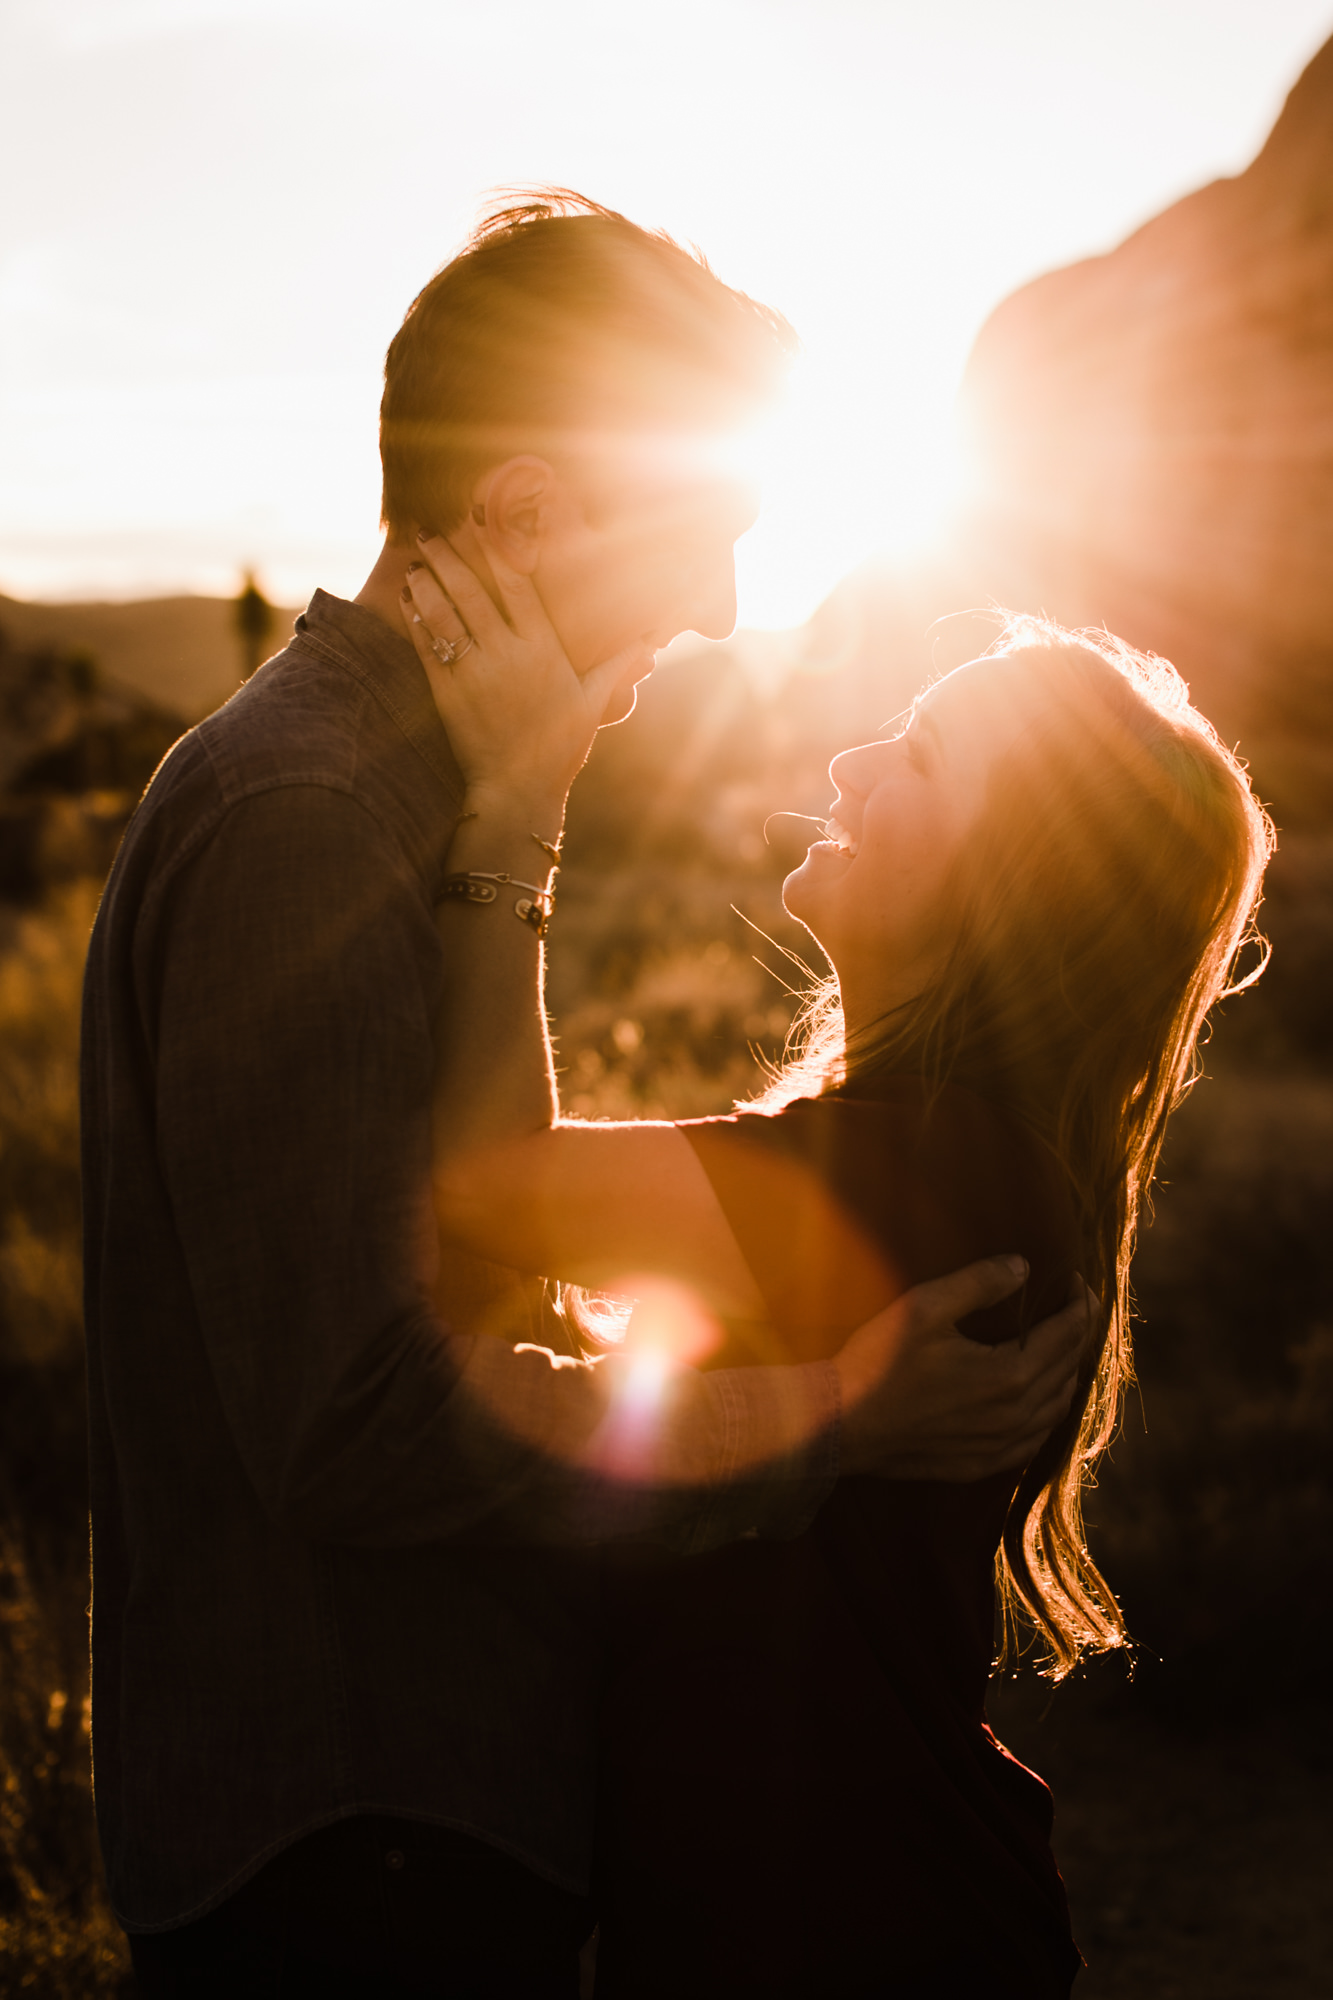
(218, 210)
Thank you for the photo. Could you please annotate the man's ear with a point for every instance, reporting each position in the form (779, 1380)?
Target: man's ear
(515, 503)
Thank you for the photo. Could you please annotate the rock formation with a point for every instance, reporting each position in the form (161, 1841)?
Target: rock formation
(1153, 437)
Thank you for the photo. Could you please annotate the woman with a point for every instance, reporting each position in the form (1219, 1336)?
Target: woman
(1030, 898)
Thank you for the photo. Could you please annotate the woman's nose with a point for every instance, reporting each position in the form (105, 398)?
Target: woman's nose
(858, 771)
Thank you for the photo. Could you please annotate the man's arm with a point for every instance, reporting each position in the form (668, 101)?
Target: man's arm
(290, 1002)
(290, 1022)
(922, 1401)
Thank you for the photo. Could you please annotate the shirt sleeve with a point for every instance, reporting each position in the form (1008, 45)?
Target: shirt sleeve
(289, 984)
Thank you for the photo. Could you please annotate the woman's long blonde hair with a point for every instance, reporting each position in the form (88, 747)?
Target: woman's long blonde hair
(1101, 902)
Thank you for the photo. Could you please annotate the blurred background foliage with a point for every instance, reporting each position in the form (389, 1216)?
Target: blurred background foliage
(75, 758)
(670, 984)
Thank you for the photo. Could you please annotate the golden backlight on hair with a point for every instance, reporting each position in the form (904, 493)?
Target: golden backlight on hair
(1098, 910)
(562, 329)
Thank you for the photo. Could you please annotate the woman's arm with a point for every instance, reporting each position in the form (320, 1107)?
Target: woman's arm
(591, 1203)
(599, 1205)
(918, 1400)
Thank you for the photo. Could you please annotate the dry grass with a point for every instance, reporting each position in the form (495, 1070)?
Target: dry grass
(58, 1939)
(41, 972)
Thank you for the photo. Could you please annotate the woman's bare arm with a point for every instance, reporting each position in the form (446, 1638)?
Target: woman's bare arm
(918, 1399)
(599, 1205)
(590, 1203)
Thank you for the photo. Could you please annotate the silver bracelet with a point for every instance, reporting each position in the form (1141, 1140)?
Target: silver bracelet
(477, 886)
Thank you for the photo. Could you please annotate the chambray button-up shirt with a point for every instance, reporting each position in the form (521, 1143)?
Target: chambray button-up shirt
(340, 1564)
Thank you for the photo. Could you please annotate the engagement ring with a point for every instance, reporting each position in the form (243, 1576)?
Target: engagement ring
(447, 651)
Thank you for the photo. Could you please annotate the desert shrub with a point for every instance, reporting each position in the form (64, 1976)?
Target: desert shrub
(665, 999)
(667, 981)
(57, 1935)
(58, 1939)
(41, 973)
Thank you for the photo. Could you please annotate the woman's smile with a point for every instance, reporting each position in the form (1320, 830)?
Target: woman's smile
(824, 852)
(845, 841)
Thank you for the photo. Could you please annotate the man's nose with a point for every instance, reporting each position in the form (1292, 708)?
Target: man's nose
(711, 611)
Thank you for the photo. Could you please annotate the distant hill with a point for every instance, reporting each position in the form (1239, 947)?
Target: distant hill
(181, 652)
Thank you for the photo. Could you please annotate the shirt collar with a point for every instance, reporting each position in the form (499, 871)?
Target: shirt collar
(388, 666)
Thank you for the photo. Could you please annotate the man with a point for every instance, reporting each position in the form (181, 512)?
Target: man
(344, 1636)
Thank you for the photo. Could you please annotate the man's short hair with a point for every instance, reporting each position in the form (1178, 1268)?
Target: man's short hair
(562, 328)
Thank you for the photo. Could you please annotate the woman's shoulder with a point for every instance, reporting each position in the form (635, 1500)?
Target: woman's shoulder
(942, 1128)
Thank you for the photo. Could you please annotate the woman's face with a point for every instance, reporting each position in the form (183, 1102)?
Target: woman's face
(872, 894)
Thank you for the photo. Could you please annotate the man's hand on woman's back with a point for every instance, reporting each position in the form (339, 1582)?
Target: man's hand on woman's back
(922, 1401)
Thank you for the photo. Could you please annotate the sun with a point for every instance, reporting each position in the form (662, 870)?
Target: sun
(846, 472)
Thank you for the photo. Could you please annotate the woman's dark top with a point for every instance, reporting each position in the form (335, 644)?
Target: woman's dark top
(800, 1795)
